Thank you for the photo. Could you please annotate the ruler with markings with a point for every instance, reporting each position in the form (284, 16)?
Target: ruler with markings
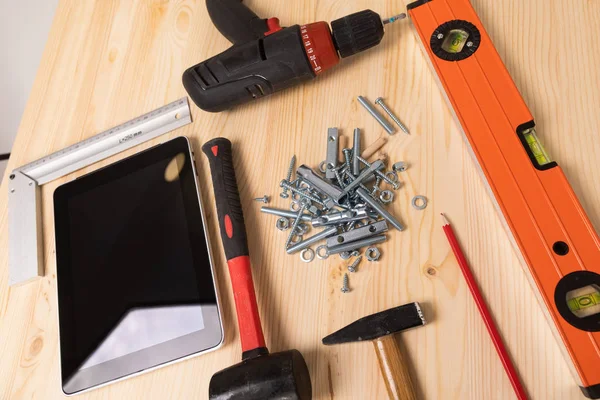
(24, 203)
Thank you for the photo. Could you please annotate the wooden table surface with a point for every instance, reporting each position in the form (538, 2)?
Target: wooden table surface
(108, 61)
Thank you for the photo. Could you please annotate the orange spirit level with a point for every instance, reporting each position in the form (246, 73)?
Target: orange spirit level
(550, 228)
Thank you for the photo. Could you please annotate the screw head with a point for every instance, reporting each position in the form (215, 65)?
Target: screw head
(440, 36)
(345, 290)
(284, 195)
(283, 183)
(378, 100)
(351, 268)
(12, 176)
(469, 44)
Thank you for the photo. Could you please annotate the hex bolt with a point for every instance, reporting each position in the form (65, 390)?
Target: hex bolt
(345, 286)
(380, 174)
(286, 184)
(284, 194)
(375, 114)
(393, 116)
(293, 232)
(352, 267)
(264, 199)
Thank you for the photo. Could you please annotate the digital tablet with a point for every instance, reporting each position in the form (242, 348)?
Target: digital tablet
(135, 279)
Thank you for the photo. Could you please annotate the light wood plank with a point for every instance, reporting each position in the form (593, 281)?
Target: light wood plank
(108, 61)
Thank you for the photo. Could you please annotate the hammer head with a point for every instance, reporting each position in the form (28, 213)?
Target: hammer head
(377, 325)
(278, 376)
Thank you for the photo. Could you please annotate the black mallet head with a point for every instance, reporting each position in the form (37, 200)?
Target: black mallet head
(278, 376)
(380, 324)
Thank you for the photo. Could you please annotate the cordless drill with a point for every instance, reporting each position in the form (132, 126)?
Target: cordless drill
(266, 58)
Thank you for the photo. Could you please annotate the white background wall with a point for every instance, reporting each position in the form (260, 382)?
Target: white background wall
(24, 27)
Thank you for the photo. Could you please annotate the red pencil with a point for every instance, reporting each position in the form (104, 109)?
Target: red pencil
(484, 311)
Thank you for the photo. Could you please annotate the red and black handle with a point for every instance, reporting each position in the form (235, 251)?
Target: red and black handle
(235, 244)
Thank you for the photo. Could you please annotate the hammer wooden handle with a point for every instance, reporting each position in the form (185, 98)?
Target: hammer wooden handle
(393, 368)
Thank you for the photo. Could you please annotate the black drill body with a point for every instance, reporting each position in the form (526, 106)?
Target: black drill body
(266, 58)
(249, 71)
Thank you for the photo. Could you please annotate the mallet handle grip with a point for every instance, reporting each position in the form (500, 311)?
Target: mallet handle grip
(235, 243)
(393, 368)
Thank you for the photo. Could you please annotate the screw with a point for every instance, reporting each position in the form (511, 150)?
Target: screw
(348, 158)
(376, 187)
(469, 44)
(338, 176)
(375, 114)
(286, 184)
(440, 36)
(294, 232)
(393, 116)
(264, 199)
(345, 287)
(381, 175)
(285, 194)
(352, 267)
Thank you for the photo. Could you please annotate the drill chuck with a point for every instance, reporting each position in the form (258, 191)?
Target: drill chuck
(357, 32)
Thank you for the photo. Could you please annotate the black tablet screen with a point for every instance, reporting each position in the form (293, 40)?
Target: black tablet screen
(132, 263)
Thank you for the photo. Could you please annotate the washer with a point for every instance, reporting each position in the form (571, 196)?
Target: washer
(373, 254)
(392, 176)
(307, 255)
(419, 199)
(320, 251)
(283, 224)
(296, 239)
(295, 206)
(322, 166)
(345, 255)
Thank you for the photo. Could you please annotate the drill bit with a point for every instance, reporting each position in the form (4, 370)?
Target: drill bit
(394, 18)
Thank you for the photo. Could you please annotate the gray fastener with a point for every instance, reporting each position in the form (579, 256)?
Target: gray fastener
(284, 194)
(348, 158)
(345, 285)
(286, 184)
(283, 213)
(356, 152)
(393, 116)
(311, 240)
(283, 224)
(400, 166)
(294, 232)
(382, 121)
(264, 199)
(373, 254)
(339, 178)
(363, 194)
(380, 174)
(352, 267)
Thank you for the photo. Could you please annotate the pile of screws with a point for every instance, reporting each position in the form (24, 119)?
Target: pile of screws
(346, 198)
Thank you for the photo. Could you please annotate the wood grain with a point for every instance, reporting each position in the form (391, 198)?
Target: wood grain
(394, 369)
(107, 61)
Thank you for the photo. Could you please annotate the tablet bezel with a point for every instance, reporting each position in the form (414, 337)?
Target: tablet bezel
(187, 346)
